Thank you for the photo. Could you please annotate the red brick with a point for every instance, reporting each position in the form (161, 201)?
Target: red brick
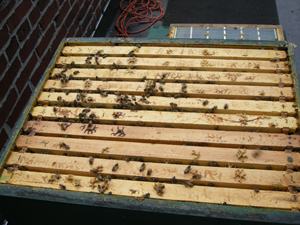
(29, 44)
(71, 32)
(98, 11)
(41, 69)
(61, 34)
(3, 64)
(12, 47)
(78, 32)
(4, 36)
(62, 13)
(48, 15)
(42, 4)
(45, 41)
(88, 31)
(70, 18)
(34, 16)
(3, 140)
(8, 105)
(103, 3)
(81, 14)
(87, 19)
(23, 31)
(12, 119)
(18, 15)
(80, 2)
(4, 12)
(60, 2)
(26, 72)
(95, 4)
(8, 78)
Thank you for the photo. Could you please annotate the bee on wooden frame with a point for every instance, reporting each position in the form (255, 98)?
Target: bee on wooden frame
(143, 166)
(187, 170)
(115, 167)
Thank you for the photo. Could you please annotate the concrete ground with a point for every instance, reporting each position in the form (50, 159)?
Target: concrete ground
(289, 19)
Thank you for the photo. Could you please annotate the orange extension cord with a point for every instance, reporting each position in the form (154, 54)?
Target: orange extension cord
(137, 12)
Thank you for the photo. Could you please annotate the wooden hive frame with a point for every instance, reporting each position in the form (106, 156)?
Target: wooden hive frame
(218, 126)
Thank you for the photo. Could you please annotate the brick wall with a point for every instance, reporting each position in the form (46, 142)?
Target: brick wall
(30, 32)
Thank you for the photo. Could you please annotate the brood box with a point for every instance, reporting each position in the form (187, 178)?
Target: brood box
(197, 127)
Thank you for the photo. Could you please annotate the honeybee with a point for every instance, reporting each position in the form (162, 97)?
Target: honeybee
(174, 180)
(189, 184)
(149, 172)
(214, 108)
(99, 177)
(173, 105)
(100, 189)
(142, 167)
(57, 175)
(115, 167)
(159, 189)
(147, 195)
(187, 170)
(91, 160)
(61, 186)
(64, 145)
(205, 103)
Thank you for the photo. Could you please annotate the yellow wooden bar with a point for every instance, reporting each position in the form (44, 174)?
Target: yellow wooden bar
(219, 176)
(193, 90)
(188, 52)
(174, 135)
(175, 192)
(175, 119)
(249, 107)
(259, 159)
(175, 63)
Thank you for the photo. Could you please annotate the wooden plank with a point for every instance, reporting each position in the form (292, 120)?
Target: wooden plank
(249, 107)
(174, 192)
(178, 119)
(229, 78)
(167, 52)
(219, 176)
(174, 135)
(193, 90)
(259, 159)
(175, 63)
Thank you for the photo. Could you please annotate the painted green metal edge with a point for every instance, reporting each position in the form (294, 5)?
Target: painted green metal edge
(296, 89)
(152, 205)
(182, 41)
(148, 205)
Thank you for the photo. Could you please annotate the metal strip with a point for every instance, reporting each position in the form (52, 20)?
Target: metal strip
(225, 33)
(258, 34)
(191, 33)
(175, 32)
(241, 33)
(207, 32)
(275, 32)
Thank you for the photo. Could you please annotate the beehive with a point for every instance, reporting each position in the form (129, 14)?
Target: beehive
(197, 123)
